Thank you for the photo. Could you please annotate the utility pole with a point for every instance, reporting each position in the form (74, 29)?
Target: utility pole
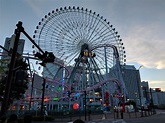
(11, 67)
(31, 94)
(85, 104)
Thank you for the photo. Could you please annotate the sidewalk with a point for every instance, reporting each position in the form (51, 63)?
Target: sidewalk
(100, 118)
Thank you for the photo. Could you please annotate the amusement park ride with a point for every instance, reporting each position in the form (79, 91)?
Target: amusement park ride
(91, 47)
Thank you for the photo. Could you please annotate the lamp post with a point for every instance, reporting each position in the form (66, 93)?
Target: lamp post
(141, 66)
(43, 94)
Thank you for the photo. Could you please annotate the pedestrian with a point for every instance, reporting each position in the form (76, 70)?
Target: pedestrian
(46, 113)
(78, 121)
(12, 119)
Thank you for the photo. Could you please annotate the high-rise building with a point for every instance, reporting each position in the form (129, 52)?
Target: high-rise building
(132, 80)
(5, 59)
(9, 43)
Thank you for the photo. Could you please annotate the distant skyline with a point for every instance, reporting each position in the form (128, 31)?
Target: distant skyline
(139, 22)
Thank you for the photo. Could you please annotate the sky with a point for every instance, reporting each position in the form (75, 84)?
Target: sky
(140, 23)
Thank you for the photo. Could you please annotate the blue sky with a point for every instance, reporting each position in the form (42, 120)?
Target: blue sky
(140, 23)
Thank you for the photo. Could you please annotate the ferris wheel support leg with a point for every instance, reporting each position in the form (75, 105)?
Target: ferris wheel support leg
(109, 91)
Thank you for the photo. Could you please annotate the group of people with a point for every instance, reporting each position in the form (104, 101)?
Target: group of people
(14, 119)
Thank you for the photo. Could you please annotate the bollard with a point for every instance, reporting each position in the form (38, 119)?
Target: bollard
(117, 114)
(114, 115)
(129, 114)
(121, 114)
(142, 111)
(135, 114)
(145, 113)
(89, 113)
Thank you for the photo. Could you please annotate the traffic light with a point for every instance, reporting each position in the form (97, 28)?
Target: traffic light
(49, 57)
(19, 77)
(39, 55)
(46, 57)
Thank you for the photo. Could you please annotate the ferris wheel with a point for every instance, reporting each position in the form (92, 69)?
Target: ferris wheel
(65, 30)
(69, 31)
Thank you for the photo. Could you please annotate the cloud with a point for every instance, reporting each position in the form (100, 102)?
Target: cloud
(137, 21)
(157, 84)
(144, 47)
(36, 6)
(141, 24)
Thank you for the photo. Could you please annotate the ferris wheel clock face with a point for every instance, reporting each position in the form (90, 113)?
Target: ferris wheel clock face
(63, 31)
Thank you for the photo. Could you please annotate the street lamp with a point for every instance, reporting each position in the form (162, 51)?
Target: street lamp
(141, 66)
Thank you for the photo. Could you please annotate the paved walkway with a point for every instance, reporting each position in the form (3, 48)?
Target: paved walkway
(101, 118)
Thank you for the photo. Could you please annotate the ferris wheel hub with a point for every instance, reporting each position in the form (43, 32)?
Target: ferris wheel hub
(82, 43)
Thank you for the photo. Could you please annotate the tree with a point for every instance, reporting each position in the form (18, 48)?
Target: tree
(19, 81)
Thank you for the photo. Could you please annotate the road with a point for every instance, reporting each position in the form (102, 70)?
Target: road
(157, 118)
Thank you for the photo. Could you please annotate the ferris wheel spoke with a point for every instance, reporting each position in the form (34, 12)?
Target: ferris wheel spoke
(102, 57)
(92, 21)
(102, 35)
(78, 25)
(63, 29)
(73, 57)
(74, 26)
(96, 37)
(82, 25)
(108, 38)
(87, 25)
(96, 23)
(111, 39)
(71, 25)
(66, 34)
(96, 67)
